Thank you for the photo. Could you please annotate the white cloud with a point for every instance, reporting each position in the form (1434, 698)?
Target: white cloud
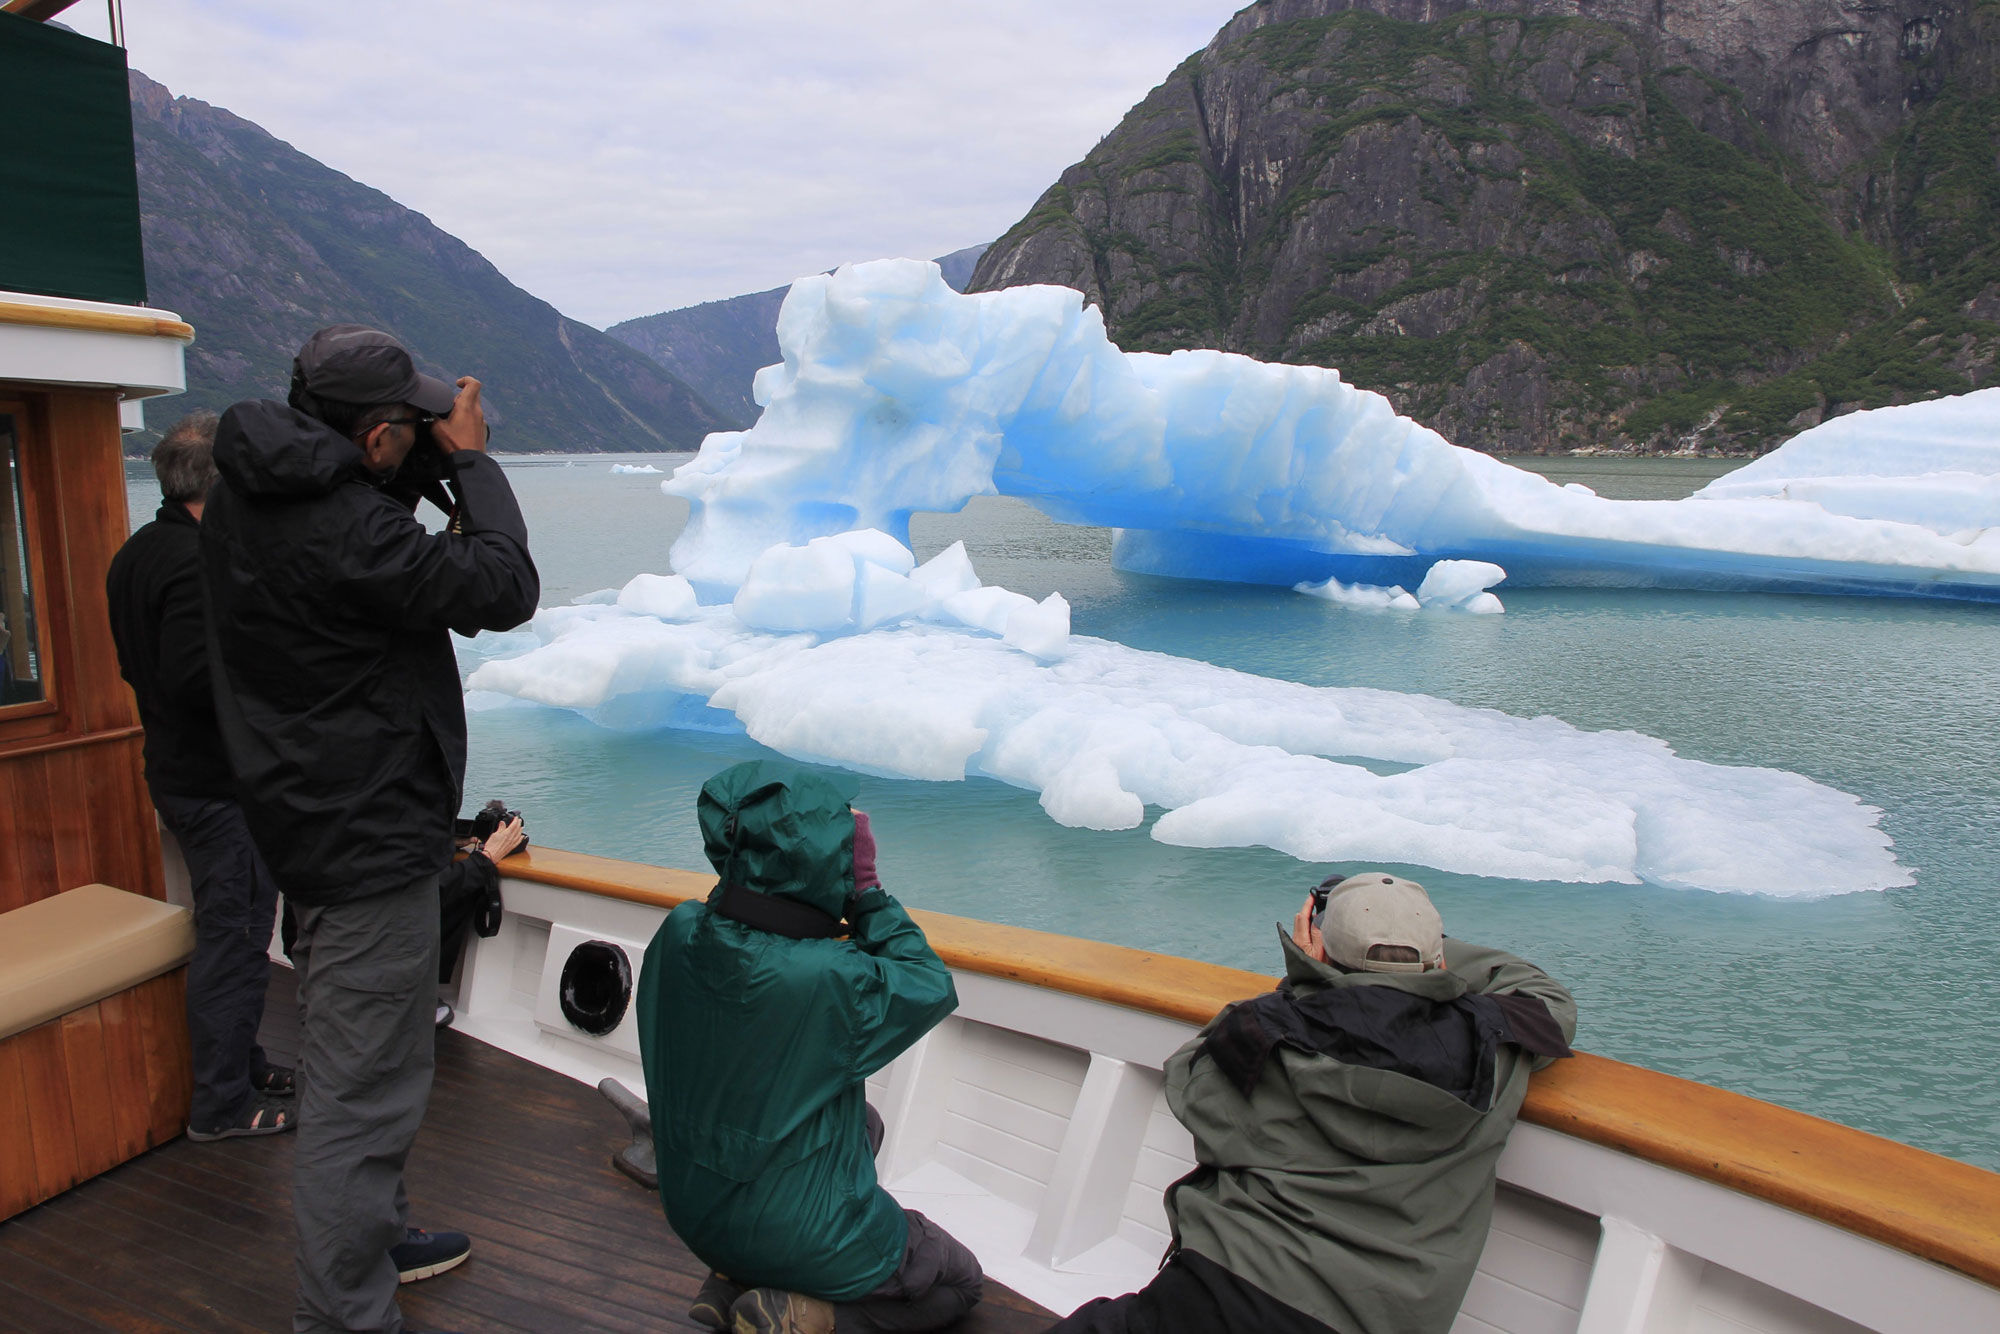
(629, 156)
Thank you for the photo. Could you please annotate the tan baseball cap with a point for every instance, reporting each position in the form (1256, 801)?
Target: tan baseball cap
(1379, 923)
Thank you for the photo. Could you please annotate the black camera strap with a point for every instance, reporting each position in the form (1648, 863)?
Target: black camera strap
(781, 917)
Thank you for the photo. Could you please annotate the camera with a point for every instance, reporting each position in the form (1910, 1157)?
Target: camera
(488, 818)
(1320, 893)
(425, 461)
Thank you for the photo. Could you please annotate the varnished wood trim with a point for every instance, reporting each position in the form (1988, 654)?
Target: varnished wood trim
(656, 886)
(1937, 1208)
(39, 11)
(72, 742)
(1931, 1206)
(94, 321)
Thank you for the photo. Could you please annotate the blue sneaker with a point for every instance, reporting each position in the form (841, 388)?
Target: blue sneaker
(423, 1254)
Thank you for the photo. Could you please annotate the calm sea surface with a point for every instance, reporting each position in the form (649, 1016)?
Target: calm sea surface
(1873, 1009)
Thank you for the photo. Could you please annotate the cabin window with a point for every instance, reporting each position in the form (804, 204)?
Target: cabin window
(21, 673)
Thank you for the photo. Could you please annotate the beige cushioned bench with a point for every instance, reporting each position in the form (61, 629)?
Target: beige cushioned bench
(69, 951)
(94, 1063)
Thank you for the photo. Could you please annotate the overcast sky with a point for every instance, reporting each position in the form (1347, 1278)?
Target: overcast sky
(621, 157)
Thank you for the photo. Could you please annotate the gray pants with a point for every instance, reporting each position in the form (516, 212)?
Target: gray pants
(367, 975)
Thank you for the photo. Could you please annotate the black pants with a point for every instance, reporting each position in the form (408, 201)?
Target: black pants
(1190, 1295)
(938, 1281)
(234, 901)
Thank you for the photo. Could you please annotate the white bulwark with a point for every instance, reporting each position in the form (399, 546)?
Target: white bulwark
(1032, 1124)
(54, 341)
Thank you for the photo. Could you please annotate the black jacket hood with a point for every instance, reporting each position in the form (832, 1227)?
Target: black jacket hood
(269, 451)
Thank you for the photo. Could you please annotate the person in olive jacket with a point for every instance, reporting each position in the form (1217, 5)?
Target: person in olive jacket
(760, 1014)
(338, 698)
(1346, 1128)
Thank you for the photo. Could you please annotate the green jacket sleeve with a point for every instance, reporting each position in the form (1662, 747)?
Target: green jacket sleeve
(901, 988)
(1494, 972)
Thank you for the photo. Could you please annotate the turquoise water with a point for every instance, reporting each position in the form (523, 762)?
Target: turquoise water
(1872, 1009)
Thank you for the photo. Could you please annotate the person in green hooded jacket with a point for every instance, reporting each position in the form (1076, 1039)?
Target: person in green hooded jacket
(1346, 1128)
(761, 1012)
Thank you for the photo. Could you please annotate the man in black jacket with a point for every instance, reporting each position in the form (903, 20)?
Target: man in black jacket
(160, 629)
(338, 697)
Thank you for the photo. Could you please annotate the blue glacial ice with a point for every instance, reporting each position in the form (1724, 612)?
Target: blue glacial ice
(897, 394)
(798, 614)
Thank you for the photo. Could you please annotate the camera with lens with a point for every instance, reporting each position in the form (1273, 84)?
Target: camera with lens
(1320, 893)
(424, 464)
(489, 818)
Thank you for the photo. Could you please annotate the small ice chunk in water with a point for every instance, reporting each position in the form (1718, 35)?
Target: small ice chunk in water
(667, 596)
(1367, 597)
(634, 469)
(1461, 585)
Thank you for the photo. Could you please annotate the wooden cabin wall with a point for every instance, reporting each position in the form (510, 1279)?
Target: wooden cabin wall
(73, 802)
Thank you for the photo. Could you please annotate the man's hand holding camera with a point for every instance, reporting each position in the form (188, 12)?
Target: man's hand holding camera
(465, 427)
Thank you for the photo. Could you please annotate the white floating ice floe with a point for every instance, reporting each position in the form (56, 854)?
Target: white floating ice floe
(634, 469)
(859, 657)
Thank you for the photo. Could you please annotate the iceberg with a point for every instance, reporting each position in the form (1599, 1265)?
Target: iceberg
(634, 469)
(798, 614)
(843, 650)
(897, 394)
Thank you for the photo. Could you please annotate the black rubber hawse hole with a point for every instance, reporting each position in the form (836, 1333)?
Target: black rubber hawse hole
(596, 986)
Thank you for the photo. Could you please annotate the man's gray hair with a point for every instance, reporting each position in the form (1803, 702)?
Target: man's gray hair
(184, 458)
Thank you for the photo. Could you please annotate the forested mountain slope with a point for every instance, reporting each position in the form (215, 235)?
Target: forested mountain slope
(257, 245)
(1542, 224)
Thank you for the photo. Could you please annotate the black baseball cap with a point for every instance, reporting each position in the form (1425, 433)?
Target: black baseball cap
(350, 363)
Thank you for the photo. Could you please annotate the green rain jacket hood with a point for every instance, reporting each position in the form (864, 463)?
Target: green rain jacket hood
(756, 1045)
(1358, 1196)
(782, 831)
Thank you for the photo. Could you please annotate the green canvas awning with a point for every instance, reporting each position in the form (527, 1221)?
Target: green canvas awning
(69, 192)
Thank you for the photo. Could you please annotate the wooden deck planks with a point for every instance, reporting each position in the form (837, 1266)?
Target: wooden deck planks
(198, 1237)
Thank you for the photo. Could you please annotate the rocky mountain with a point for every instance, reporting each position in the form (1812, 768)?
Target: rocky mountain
(1542, 224)
(719, 346)
(257, 245)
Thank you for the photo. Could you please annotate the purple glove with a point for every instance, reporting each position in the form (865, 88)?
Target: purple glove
(865, 878)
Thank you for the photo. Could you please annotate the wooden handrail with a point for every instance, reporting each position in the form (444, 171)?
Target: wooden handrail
(39, 11)
(43, 745)
(1936, 1208)
(94, 321)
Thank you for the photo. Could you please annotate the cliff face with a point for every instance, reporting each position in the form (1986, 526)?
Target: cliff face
(257, 245)
(1550, 223)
